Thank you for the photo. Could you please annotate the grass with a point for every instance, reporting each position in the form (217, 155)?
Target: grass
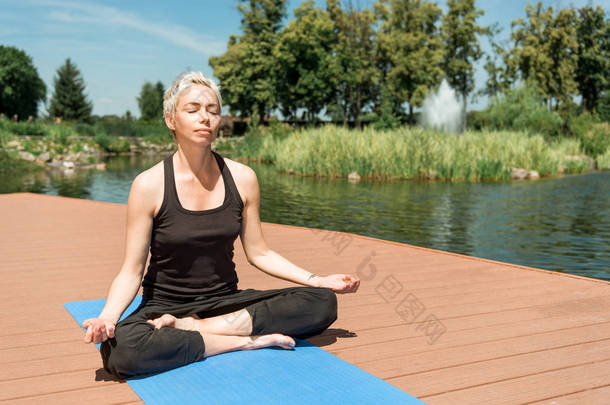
(411, 153)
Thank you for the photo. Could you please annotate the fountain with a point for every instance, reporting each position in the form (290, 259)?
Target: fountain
(442, 110)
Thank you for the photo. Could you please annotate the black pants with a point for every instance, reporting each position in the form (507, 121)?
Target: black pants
(139, 348)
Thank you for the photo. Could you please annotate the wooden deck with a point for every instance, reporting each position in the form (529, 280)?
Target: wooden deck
(446, 328)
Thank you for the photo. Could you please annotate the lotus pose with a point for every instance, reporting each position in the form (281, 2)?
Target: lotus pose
(189, 209)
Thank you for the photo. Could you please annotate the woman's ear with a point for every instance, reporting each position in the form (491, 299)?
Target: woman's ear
(169, 121)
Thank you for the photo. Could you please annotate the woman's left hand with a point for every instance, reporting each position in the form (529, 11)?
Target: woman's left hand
(340, 283)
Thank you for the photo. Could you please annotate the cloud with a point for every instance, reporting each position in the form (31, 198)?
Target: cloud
(91, 13)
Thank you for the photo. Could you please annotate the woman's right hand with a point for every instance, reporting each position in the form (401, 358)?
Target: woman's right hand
(98, 330)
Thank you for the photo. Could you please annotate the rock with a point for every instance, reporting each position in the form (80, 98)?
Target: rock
(27, 156)
(71, 156)
(533, 175)
(518, 173)
(44, 157)
(584, 158)
(133, 148)
(353, 177)
(54, 163)
(13, 144)
(68, 164)
(100, 166)
(69, 172)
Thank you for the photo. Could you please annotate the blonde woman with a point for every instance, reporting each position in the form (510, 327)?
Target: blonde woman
(188, 210)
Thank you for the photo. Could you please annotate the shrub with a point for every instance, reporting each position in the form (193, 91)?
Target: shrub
(83, 129)
(603, 107)
(520, 109)
(59, 134)
(103, 140)
(603, 160)
(592, 134)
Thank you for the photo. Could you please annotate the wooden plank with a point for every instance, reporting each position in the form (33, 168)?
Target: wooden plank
(529, 388)
(475, 373)
(412, 356)
(103, 395)
(56, 383)
(598, 395)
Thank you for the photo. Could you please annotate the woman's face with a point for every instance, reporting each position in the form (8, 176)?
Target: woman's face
(197, 116)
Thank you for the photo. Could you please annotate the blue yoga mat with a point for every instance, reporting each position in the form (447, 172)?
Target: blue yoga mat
(307, 375)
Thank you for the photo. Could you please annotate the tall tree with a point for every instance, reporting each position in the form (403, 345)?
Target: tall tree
(545, 51)
(353, 53)
(304, 62)
(593, 69)
(69, 100)
(20, 86)
(409, 38)
(500, 76)
(247, 69)
(563, 50)
(462, 48)
(150, 101)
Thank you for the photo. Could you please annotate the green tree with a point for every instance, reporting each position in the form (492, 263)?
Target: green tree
(500, 78)
(563, 51)
(593, 69)
(69, 100)
(150, 101)
(353, 51)
(410, 47)
(545, 51)
(462, 48)
(247, 70)
(20, 86)
(303, 57)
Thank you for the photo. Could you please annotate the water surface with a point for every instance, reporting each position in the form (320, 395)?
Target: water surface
(560, 224)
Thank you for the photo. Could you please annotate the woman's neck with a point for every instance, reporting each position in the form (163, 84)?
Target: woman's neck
(197, 161)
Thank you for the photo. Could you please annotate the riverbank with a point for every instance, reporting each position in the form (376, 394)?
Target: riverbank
(406, 153)
(70, 146)
(414, 154)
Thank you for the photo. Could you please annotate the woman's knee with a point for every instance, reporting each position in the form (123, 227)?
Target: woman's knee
(140, 349)
(118, 356)
(326, 306)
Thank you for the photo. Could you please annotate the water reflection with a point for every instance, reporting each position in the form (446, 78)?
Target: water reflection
(558, 224)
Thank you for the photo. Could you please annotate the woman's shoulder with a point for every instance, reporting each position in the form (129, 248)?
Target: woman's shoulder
(243, 176)
(148, 186)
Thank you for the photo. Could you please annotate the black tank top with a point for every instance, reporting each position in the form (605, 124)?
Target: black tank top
(192, 251)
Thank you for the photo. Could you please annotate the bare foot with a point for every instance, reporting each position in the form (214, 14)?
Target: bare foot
(170, 321)
(273, 339)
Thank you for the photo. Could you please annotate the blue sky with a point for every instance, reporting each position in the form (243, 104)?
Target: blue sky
(118, 45)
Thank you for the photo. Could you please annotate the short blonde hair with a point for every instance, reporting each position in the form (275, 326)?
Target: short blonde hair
(185, 80)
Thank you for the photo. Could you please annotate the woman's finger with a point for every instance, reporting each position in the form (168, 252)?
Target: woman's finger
(110, 330)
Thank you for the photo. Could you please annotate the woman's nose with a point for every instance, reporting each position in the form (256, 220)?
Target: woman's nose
(204, 116)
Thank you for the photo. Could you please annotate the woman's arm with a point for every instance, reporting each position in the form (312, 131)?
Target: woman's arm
(270, 262)
(140, 208)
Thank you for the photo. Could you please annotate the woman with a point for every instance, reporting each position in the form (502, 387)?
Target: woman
(189, 209)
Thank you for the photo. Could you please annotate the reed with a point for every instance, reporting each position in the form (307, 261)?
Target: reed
(409, 153)
(603, 161)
